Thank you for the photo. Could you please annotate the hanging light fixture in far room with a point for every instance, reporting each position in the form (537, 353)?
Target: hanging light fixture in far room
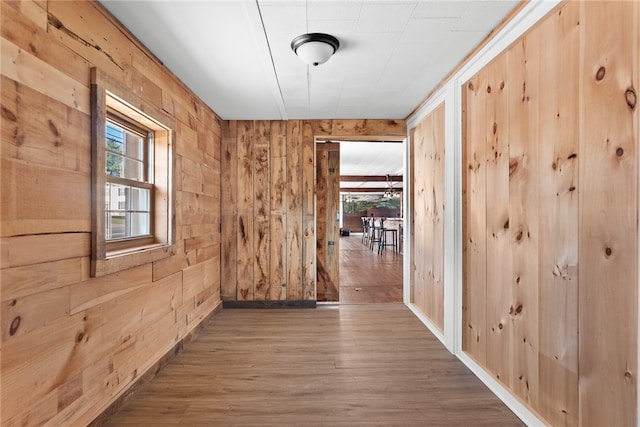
(315, 48)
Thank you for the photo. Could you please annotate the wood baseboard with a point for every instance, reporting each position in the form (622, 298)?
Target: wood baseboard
(269, 304)
(151, 373)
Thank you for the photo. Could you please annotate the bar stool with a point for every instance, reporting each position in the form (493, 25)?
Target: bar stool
(375, 233)
(384, 242)
(365, 230)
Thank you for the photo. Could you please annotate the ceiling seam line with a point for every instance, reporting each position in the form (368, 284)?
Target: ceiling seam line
(273, 65)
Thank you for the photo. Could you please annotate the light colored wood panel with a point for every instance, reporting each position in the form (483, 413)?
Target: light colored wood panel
(191, 176)
(261, 169)
(25, 314)
(187, 143)
(294, 214)
(130, 315)
(278, 258)
(262, 254)
(41, 130)
(523, 102)
(418, 161)
(35, 363)
(35, 12)
(198, 278)
(437, 220)
(31, 279)
(21, 31)
(97, 291)
(228, 204)
(278, 167)
(27, 250)
(145, 88)
(82, 28)
(557, 216)
(195, 208)
(309, 266)
(474, 218)
(19, 65)
(324, 280)
(499, 272)
(609, 215)
(38, 200)
(245, 218)
(369, 128)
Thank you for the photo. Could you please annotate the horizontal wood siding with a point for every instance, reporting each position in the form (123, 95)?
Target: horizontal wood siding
(71, 344)
(269, 235)
(550, 176)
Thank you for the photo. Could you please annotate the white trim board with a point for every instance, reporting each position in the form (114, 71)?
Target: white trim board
(512, 402)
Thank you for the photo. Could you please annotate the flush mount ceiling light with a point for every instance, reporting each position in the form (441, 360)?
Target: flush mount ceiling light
(315, 48)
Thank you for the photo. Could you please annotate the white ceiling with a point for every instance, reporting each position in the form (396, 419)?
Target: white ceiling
(236, 55)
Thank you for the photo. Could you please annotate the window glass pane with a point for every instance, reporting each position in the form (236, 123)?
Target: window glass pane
(134, 146)
(124, 167)
(115, 138)
(127, 212)
(115, 223)
(140, 199)
(139, 224)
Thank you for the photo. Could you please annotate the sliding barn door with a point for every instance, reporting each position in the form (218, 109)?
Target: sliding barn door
(327, 221)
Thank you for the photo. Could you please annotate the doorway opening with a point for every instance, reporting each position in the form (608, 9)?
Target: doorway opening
(359, 220)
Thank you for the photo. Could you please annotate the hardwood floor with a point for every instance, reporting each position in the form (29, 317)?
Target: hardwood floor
(340, 365)
(366, 276)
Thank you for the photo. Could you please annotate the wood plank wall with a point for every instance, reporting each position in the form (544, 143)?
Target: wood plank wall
(327, 228)
(427, 230)
(285, 225)
(550, 215)
(71, 344)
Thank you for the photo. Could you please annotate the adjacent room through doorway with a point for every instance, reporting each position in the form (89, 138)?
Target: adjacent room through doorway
(368, 219)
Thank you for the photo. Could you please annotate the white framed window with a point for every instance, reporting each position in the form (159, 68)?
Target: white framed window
(132, 178)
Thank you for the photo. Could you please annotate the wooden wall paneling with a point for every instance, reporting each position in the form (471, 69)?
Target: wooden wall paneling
(499, 277)
(474, 219)
(228, 204)
(80, 342)
(308, 212)
(19, 29)
(86, 34)
(368, 128)
(36, 199)
(428, 195)
(261, 208)
(91, 293)
(322, 166)
(415, 140)
(438, 216)
(558, 189)
(327, 236)
(333, 226)
(608, 264)
(20, 66)
(278, 226)
(31, 279)
(35, 363)
(245, 211)
(523, 103)
(25, 314)
(43, 131)
(294, 214)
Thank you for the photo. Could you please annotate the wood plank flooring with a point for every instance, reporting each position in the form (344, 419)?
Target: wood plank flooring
(339, 365)
(366, 276)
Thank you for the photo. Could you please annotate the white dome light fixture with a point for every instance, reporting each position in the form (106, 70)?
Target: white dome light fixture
(315, 48)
